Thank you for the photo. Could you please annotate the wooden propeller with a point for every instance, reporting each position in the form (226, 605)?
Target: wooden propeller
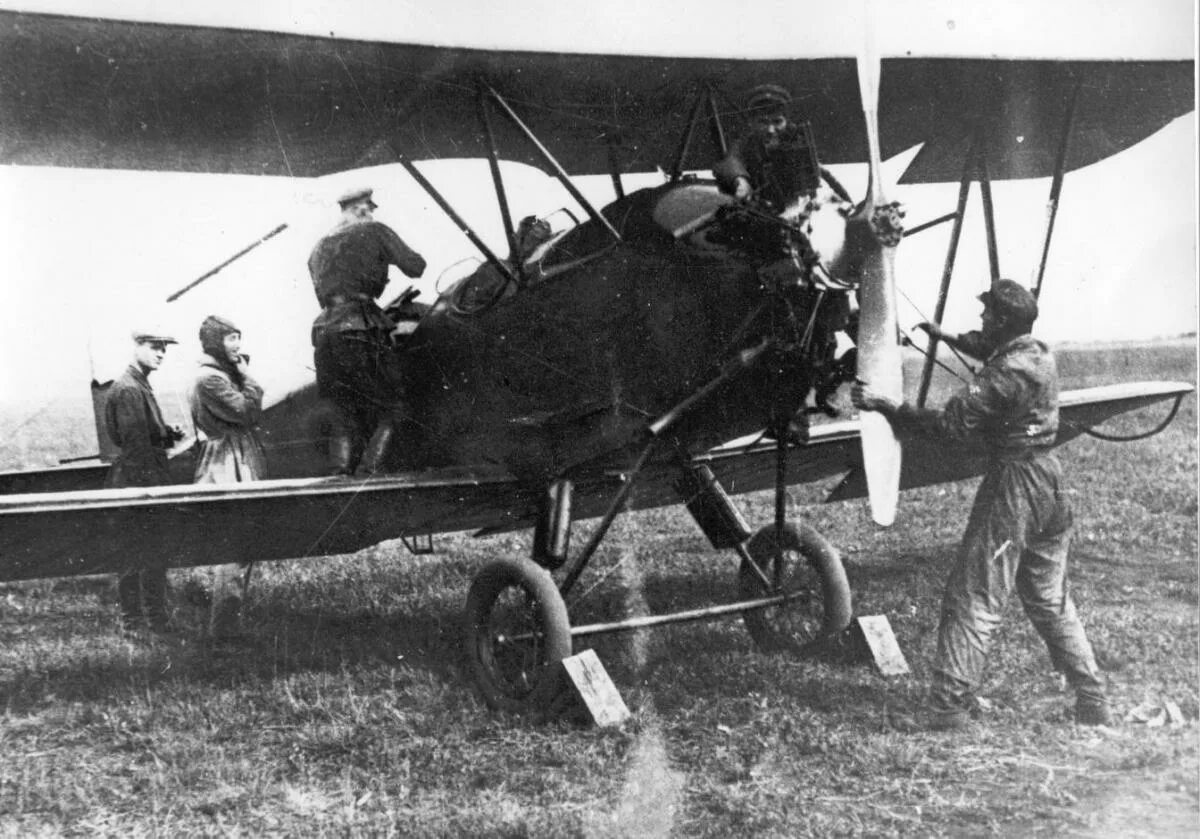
(879, 356)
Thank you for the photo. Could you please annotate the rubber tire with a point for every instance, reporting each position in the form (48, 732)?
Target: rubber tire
(542, 683)
(835, 589)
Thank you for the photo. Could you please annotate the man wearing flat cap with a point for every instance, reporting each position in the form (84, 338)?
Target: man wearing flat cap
(1019, 531)
(352, 344)
(773, 163)
(135, 424)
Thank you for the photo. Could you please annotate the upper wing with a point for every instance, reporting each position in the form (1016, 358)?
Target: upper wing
(1018, 111)
(108, 94)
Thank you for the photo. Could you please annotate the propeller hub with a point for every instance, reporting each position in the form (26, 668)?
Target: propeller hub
(887, 222)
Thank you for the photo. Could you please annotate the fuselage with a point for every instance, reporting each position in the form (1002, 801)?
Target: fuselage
(567, 369)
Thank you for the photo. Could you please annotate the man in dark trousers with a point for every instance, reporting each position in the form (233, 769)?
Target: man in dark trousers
(352, 343)
(135, 424)
(1019, 530)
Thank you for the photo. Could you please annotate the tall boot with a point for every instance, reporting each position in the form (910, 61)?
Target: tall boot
(357, 446)
(154, 594)
(225, 615)
(129, 598)
(341, 453)
(380, 445)
(247, 572)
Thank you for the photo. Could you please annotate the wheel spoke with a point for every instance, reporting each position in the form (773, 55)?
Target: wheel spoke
(808, 571)
(517, 648)
(517, 630)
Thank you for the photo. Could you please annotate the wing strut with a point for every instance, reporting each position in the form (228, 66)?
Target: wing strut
(431, 190)
(964, 191)
(1060, 167)
(613, 140)
(705, 98)
(989, 215)
(485, 121)
(559, 172)
(718, 130)
(685, 142)
(975, 163)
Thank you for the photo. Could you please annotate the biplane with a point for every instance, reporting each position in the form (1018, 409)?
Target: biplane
(667, 347)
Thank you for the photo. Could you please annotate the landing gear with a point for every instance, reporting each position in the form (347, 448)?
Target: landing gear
(516, 633)
(794, 593)
(552, 533)
(805, 568)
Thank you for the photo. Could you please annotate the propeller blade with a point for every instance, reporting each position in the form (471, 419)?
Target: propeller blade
(879, 356)
(879, 365)
(869, 69)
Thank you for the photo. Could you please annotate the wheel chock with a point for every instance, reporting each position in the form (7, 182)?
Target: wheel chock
(595, 695)
(876, 634)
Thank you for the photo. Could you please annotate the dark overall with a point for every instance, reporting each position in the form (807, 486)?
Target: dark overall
(1019, 531)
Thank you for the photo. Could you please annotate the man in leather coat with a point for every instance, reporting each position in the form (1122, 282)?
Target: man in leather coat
(135, 424)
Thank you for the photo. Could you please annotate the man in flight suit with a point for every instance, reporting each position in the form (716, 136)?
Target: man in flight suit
(1019, 530)
(135, 424)
(352, 344)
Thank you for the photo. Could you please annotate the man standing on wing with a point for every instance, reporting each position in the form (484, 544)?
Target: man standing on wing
(135, 424)
(1019, 530)
(352, 343)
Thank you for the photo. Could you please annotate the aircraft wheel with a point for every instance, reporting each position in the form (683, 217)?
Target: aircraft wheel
(516, 632)
(811, 569)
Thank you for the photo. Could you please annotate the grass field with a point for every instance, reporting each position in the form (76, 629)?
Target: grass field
(347, 714)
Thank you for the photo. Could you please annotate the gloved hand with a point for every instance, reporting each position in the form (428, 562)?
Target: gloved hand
(933, 330)
(865, 399)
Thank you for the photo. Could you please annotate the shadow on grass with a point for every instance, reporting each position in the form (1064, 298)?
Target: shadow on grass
(278, 643)
(294, 631)
(717, 661)
(722, 666)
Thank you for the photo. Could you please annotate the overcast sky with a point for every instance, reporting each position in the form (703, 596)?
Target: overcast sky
(1104, 29)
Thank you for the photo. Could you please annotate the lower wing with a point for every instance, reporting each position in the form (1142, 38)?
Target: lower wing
(62, 532)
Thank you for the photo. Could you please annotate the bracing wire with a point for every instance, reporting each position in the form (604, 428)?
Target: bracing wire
(1090, 431)
(908, 342)
(925, 352)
